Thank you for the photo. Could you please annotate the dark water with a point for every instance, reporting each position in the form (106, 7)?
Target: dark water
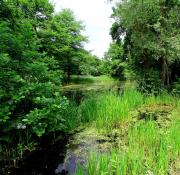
(59, 158)
(79, 92)
(43, 161)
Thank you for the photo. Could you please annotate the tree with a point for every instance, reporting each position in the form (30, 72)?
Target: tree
(29, 81)
(89, 64)
(152, 38)
(113, 59)
(62, 39)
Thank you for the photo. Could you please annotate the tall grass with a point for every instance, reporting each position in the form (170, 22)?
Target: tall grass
(148, 152)
(109, 109)
(163, 98)
(149, 148)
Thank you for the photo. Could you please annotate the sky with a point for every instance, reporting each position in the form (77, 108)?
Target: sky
(95, 15)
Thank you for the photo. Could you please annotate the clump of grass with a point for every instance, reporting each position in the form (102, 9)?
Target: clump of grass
(72, 118)
(163, 98)
(108, 109)
(145, 137)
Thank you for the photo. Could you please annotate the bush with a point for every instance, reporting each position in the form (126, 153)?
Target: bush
(176, 88)
(150, 83)
(117, 70)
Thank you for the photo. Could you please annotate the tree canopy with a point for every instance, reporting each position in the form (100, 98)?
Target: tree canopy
(152, 36)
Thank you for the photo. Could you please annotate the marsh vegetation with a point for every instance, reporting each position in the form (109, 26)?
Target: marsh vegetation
(63, 110)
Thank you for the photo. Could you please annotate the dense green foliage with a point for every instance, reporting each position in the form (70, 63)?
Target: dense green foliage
(29, 83)
(151, 39)
(38, 49)
(61, 38)
(113, 62)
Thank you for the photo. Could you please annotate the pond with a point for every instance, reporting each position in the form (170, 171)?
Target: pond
(78, 91)
(64, 156)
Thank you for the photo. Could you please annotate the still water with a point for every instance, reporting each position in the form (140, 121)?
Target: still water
(64, 156)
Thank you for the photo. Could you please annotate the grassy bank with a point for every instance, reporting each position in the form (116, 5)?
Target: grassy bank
(140, 133)
(88, 83)
(90, 79)
(147, 130)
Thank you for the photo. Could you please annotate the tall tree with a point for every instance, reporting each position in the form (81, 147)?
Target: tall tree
(152, 35)
(29, 83)
(114, 60)
(62, 39)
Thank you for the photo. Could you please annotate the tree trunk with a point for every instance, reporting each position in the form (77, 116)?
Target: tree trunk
(165, 74)
(68, 74)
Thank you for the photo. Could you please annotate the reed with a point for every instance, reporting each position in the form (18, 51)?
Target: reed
(150, 148)
(109, 109)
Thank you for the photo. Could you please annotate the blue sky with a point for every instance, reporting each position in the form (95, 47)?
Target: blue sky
(96, 17)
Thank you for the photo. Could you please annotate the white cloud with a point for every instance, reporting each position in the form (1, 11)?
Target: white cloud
(96, 16)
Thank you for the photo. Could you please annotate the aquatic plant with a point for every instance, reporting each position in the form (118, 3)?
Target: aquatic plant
(109, 109)
(150, 143)
(149, 150)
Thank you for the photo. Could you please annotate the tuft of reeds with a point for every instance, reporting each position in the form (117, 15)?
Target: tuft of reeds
(108, 109)
(149, 148)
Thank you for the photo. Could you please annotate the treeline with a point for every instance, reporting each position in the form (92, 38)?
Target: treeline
(146, 43)
(38, 50)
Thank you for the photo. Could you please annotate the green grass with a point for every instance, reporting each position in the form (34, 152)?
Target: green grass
(148, 152)
(148, 147)
(110, 109)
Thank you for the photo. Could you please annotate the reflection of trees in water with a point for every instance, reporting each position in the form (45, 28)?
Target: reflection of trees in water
(77, 95)
(43, 161)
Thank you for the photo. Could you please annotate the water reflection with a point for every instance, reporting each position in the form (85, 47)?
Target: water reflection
(78, 92)
(60, 158)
